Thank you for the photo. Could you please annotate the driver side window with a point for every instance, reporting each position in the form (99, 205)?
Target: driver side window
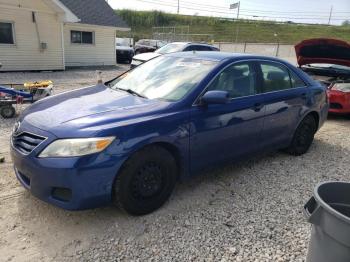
(238, 80)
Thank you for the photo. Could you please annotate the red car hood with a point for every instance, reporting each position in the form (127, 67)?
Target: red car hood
(323, 51)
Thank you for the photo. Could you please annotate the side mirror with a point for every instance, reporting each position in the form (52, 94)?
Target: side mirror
(215, 97)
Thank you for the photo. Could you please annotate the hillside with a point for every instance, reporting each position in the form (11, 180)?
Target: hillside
(224, 30)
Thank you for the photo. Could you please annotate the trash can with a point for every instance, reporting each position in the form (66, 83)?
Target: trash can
(329, 213)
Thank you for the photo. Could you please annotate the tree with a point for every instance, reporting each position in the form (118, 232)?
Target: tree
(346, 22)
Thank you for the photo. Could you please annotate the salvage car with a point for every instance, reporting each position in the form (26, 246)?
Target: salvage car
(171, 48)
(148, 45)
(124, 53)
(130, 140)
(328, 61)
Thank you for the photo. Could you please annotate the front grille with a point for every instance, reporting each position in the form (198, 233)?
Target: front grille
(26, 142)
(336, 106)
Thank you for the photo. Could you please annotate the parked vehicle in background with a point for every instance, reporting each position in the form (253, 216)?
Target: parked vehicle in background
(148, 45)
(328, 61)
(172, 48)
(127, 142)
(124, 50)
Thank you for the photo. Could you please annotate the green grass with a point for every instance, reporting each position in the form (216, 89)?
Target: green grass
(223, 30)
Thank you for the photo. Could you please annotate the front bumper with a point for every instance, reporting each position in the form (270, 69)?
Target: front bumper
(124, 55)
(339, 102)
(70, 183)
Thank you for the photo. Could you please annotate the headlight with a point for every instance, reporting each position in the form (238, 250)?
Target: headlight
(76, 147)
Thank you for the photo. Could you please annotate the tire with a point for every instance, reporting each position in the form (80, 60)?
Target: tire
(7, 111)
(303, 136)
(146, 181)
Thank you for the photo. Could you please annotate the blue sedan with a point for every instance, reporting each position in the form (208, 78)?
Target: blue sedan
(129, 140)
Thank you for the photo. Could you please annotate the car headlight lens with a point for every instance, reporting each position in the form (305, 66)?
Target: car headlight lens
(76, 147)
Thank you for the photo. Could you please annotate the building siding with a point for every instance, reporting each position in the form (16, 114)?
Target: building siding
(25, 54)
(100, 53)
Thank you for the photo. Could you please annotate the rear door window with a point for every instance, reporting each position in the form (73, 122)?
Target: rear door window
(204, 48)
(275, 77)
(296, 80)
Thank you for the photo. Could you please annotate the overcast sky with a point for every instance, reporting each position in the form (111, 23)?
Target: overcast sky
(306, 11)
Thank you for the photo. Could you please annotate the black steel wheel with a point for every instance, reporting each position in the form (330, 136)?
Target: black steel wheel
(146, 181)
(7, 111)
(303, 136)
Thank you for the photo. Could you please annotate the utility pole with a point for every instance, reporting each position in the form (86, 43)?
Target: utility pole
(178, 6)
(237, 25)
(330, 15)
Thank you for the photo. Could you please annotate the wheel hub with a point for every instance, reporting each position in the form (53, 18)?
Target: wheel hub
(147, 182)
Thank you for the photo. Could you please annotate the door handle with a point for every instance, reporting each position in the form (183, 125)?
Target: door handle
(258, 106)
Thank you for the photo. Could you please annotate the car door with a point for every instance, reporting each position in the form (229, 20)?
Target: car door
(226, 131)
(286, 98)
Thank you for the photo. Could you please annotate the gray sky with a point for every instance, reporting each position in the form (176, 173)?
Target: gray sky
(305, 11)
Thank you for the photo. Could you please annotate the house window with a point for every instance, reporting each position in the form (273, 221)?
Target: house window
(81, 37)
(6, 33)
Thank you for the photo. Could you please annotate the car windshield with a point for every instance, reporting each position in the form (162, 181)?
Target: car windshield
(171, 48)
(167, 78)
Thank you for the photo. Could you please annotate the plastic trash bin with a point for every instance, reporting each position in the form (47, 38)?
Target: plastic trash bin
(329, 213)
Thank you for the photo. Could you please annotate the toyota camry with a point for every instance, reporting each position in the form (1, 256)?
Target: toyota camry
(130, 140)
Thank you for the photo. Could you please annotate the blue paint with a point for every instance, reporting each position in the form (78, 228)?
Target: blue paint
(203, 134)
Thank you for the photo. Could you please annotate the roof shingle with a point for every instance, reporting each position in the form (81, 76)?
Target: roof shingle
(94, 12)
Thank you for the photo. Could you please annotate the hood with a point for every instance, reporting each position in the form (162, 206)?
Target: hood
(90, 108)
(146, 56)
(124, 48)
(323, 51)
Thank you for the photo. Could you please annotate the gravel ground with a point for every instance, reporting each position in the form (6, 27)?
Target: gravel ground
(250, 211)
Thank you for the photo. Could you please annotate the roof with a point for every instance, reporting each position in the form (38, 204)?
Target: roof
(191, 43)
(95, 12)
(207, 55)
(220, 56)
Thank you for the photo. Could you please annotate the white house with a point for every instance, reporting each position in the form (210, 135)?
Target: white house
(55, 34)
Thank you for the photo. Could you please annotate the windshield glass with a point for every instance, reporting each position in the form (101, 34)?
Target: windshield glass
(168, 78)
(170, 48)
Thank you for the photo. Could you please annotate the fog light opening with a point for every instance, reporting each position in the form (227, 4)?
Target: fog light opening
(62, 194)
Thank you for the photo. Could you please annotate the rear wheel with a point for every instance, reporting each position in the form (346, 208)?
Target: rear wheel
(303, 136)
(7, 111)
(146, 181)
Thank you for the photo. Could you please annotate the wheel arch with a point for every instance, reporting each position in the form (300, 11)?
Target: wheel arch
(316, 116)
(171, 148)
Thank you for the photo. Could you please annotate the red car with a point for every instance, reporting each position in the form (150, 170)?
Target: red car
(328, 61)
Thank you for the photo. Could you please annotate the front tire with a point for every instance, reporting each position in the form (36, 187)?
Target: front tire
(7, 111)
(303, 136)
(146, 181)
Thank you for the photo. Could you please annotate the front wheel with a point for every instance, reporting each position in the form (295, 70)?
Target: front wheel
(7, 111)
(146, 181)
(303, 136)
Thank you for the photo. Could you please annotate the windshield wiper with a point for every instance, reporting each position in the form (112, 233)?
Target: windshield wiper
(132, 92)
